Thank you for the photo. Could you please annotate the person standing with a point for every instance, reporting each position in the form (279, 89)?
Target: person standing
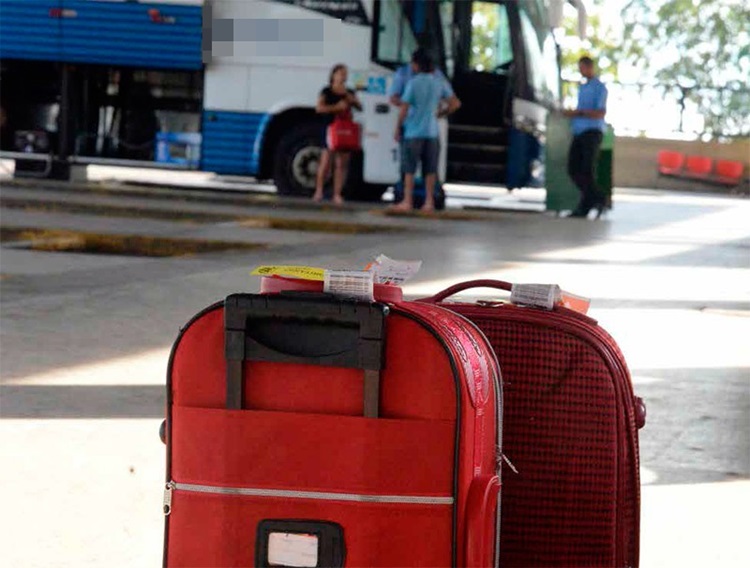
(418, 127)
(401, 78)
(588, 129)
(405, 73)
(333, 100)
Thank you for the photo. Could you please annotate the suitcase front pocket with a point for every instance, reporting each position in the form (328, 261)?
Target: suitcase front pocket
(312, 452)
(225, 528)
(387, 482)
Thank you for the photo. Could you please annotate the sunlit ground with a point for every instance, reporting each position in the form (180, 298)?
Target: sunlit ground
(674, 321)
(87, 492)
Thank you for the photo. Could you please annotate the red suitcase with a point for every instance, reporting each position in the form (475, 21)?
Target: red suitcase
(570, 430)
(275, 456)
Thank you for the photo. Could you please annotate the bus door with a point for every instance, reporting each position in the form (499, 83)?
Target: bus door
(381, 151)
(400, 26)
(484, 81)
(485, 62)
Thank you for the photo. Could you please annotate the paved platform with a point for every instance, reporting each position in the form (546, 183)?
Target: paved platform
(85, 339)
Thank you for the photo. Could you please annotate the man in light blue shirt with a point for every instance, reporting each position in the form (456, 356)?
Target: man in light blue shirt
(405, 73)
(401, 78)
(588, 126)
(418, 128)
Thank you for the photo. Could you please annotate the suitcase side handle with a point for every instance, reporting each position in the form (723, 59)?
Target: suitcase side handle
(482, 501)
(468, 285)
(310, 331)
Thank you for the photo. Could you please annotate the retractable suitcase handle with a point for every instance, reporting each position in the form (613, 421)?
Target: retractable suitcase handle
(289, 330)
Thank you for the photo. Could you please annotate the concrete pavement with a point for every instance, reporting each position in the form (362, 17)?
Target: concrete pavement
(85, 341)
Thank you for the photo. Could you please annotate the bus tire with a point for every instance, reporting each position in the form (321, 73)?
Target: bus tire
(296, 160)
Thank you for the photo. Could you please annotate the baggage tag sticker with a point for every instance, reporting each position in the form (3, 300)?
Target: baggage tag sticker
(395, 272)
(299, 272)
(539, 295)
(357, 284)
(290, 549)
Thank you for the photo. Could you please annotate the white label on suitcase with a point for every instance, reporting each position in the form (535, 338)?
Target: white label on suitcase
(389, 271)
(350, 284)
(288, 549)
(540, 295)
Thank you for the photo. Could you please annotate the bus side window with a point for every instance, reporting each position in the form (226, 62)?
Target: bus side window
(396, 40)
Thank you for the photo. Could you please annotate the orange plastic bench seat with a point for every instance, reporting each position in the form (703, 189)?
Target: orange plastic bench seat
(729, 169)
(670, 162)
(677, 164)
(698, 166)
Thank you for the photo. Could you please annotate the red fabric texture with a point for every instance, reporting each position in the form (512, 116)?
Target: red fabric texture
(353, 454)
(478, 427)
(343, 134)
(219, 530)
(569, 429)
(303, 430)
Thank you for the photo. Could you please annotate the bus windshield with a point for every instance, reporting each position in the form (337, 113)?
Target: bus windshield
(541, 52)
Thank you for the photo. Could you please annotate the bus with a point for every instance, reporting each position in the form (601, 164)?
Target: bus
(230, 86)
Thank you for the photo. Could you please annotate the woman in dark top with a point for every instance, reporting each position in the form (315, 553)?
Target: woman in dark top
(332, 100)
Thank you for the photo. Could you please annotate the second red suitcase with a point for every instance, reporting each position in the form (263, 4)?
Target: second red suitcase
(311, 431)
(570, 430)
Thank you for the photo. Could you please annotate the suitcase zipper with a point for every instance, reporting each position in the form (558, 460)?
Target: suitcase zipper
(291, 494)
(168, 497)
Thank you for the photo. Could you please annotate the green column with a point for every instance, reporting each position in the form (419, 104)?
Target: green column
(562, 194)
(604, 165)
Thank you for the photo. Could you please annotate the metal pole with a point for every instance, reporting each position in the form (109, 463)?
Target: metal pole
(65, 115)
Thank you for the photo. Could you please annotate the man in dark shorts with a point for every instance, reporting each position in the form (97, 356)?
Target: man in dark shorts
(419, 113)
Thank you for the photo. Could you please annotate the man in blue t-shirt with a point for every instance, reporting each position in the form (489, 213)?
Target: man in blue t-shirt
(418, 128)
(588, 128)
(405, 73)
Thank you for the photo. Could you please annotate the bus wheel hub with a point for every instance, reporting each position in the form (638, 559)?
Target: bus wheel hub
(305, 165)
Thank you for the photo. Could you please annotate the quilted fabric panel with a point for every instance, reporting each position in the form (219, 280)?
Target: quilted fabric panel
(563, 427)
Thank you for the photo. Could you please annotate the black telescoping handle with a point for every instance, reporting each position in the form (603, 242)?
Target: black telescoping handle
(314, 330)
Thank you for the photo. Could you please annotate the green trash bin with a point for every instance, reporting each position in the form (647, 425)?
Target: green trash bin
(562, 193)
(604, 165)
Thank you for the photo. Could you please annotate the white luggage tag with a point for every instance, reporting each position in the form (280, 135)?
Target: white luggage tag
(395, 272)
(537, 295)
(547, 296)
(356, 284)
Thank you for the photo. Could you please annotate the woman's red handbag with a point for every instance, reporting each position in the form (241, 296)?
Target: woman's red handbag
(343, 134)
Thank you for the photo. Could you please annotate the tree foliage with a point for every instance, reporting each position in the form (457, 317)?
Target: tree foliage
(701, 47)
(485, 27)
(602, 44)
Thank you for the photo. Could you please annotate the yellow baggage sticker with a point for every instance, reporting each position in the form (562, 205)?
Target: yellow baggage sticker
(300, 272)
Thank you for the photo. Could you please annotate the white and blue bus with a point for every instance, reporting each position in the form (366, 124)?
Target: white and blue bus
(234, 83)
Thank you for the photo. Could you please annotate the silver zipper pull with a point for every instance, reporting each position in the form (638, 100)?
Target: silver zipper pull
(168, 488)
